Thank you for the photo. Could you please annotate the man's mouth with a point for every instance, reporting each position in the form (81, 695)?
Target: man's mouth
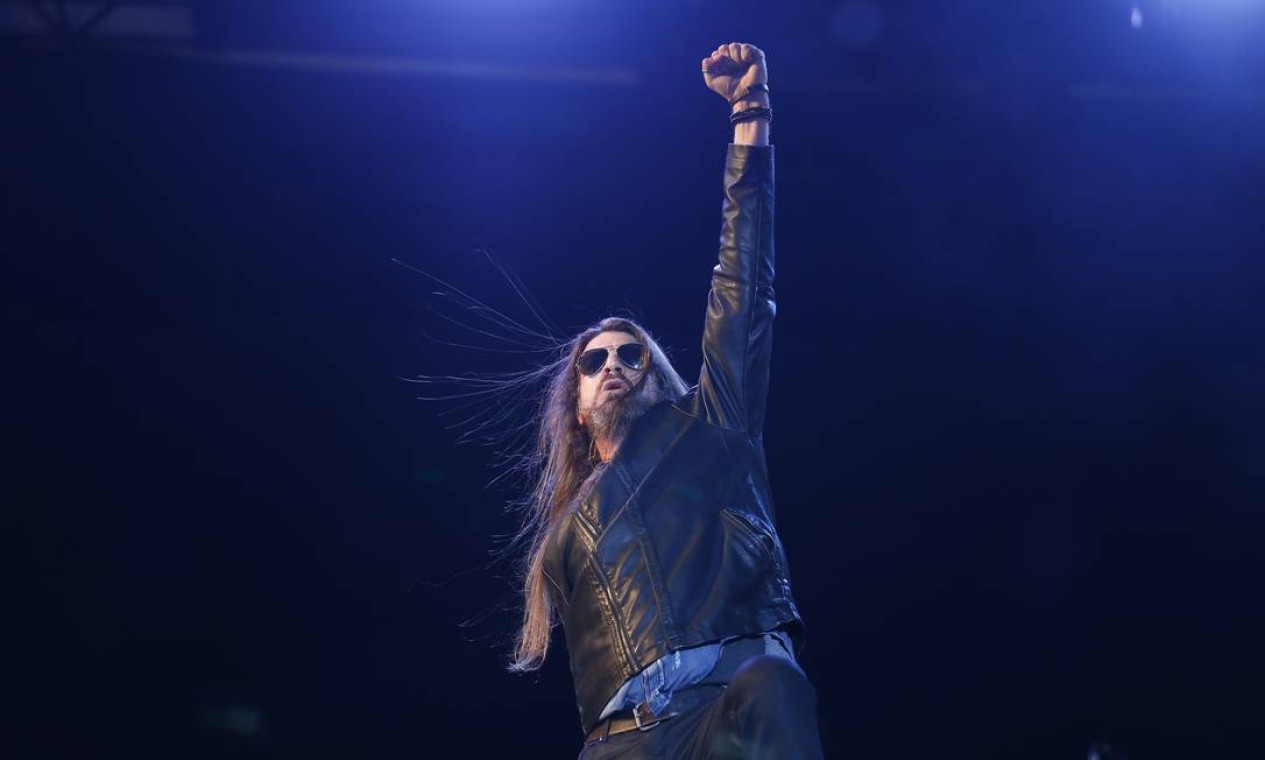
(611, 385)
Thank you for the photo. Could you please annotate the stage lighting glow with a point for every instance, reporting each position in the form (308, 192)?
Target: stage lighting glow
(1193, 11)
(508, 7)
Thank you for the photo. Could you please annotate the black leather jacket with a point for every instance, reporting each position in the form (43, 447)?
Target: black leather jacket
(674, 546)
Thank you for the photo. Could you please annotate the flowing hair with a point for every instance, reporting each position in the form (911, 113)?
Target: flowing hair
(560, 462)
(529, 417)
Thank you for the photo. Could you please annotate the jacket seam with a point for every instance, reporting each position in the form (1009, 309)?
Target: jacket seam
(608, 608)
(757, 268)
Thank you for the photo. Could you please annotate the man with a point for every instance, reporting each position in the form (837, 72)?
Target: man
(652, 515)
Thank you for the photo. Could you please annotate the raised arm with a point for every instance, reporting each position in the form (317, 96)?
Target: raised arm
(737, 335)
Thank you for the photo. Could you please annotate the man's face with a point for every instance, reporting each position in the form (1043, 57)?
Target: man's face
(610, 385)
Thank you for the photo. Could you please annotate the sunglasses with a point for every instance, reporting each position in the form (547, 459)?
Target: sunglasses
(631, 355)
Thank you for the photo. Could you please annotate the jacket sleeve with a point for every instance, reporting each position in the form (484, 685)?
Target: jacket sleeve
(738, 332)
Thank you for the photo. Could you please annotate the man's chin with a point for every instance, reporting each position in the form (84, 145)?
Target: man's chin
(615, 413)
(618, 408)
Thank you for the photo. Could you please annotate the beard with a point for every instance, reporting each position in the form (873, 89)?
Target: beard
(612, 419)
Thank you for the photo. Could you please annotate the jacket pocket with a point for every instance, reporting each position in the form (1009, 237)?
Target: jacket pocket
(758, 532)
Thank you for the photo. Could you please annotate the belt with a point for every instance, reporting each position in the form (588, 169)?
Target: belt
(640, 717)
(732, 655)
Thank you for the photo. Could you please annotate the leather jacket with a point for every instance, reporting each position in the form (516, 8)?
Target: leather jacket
(674, 546)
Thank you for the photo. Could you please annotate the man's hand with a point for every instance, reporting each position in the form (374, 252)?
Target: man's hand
(734, 67)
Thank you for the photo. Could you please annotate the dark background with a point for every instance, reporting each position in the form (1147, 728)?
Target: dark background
(1015, 419)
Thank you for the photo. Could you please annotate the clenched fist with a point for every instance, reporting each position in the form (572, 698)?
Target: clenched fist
(734, 67)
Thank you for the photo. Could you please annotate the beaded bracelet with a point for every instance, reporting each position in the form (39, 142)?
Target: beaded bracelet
(751, 114)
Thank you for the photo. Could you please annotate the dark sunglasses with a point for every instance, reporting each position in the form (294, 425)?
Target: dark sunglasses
(631, 355)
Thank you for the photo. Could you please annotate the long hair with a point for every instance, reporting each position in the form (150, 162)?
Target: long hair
(561, 461)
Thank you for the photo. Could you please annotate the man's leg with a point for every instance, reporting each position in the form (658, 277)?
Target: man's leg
(769, 712)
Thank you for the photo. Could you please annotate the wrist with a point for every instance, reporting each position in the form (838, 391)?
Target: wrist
(754, 100)
(752, 92)
(751, 133)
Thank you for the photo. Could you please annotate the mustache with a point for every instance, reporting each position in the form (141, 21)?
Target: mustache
(619, 379)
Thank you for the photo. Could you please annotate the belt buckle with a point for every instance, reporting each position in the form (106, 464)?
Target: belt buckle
(649, 722)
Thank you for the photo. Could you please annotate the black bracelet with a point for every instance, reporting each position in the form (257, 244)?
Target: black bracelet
(751, 114)
(762, 87)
